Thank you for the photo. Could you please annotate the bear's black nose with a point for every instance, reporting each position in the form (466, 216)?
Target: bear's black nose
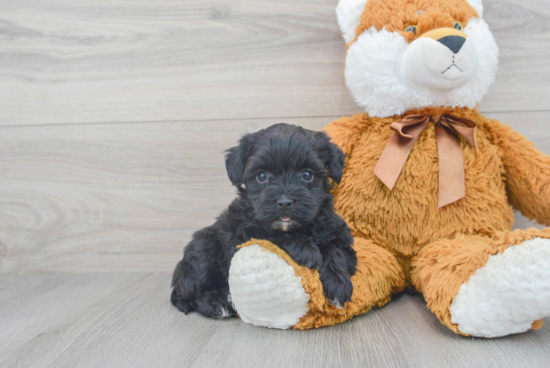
(284, 202)
(454, 43)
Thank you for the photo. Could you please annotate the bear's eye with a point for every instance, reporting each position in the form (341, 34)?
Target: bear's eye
(457, 25)
(410, 28)
(307, 176)
(261, 177)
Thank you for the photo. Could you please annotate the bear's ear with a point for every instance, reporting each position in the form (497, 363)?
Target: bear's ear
(348, 13)
(477, 5)
(236, 157)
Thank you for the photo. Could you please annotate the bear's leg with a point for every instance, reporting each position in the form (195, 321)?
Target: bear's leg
(269, 289)
(487, 287)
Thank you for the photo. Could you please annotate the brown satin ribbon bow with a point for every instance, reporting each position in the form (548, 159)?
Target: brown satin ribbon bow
(451, 163)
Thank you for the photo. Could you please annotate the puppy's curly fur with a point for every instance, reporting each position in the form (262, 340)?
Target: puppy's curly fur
(282, 176)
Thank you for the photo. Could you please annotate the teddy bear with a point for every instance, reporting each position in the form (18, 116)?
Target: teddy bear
(429, 184)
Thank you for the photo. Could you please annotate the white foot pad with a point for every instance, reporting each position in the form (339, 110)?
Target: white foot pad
(265, 289)
(508, 294)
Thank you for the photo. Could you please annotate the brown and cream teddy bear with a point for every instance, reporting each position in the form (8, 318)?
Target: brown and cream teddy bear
(429, 184)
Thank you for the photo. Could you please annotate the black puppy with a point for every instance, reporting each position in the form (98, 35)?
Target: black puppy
(282, 175)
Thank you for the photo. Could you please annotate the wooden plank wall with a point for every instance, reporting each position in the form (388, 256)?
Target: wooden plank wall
(114, 115)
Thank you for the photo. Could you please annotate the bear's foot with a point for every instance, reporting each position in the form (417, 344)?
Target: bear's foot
(508, 295)
(265, 289)
(268, 288)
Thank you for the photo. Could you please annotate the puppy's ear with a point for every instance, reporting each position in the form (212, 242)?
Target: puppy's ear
(336, 163)
(333, 158)
(235, 158)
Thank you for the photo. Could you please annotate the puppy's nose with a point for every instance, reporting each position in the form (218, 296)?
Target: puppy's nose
(284, 202)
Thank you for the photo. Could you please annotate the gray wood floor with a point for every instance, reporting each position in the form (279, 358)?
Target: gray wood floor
(124, 320)
(114, 115)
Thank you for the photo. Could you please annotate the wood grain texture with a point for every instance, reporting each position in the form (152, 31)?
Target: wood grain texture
(117, 320)
(127, 60)
(127, 197)
(114, 116)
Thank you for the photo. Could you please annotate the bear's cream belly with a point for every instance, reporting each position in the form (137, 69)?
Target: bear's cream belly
(407, 218)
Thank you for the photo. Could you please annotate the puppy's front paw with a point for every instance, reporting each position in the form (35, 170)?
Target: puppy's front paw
(309, 257)
(337, 288)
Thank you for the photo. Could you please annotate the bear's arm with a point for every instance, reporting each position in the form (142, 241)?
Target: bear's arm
(527, 172)
(345, 132)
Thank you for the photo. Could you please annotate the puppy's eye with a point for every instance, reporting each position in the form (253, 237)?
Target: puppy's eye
(457, 25)
(410, 28)
(307, 176)
(261, 177)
